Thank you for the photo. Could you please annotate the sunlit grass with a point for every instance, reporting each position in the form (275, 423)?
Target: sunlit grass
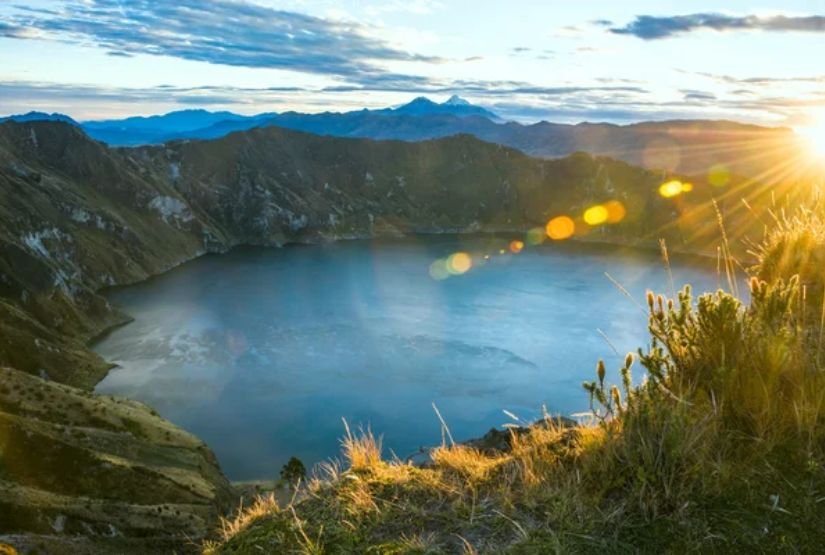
(721, 448)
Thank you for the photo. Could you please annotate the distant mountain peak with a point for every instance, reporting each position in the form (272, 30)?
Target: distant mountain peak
(454, 106)
(420, 100)
(39, 116)
(456, 100)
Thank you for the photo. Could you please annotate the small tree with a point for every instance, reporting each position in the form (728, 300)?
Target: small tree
(293, 471)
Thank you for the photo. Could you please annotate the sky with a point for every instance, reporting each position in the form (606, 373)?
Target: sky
(527, 60)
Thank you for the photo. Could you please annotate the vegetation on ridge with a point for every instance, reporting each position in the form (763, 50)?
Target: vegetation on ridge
(720, 449)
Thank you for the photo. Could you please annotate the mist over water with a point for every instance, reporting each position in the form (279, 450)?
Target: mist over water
(261, 352)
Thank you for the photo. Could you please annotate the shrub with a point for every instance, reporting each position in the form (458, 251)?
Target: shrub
(294, 471)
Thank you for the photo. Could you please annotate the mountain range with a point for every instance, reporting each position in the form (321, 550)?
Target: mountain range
(77, 216)
(689, 147)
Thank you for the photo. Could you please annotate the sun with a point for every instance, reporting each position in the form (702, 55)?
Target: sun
(814, 134)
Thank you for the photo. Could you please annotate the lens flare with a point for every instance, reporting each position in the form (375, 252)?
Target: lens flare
(536, 236)
(719, 175)
(671, 189)
(596, 215)
(560, 228)
(438, 270)
(516, 246)
(616, 211)
(459, 263)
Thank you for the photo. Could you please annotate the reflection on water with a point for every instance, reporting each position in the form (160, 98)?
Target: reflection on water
(261, 352)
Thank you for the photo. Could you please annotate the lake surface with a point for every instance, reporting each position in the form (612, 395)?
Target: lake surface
(262, 352)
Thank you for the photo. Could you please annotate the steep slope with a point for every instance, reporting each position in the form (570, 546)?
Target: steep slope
(74, 217)
(111, 469)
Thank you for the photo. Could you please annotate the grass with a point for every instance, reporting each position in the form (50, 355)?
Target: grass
(721, 449)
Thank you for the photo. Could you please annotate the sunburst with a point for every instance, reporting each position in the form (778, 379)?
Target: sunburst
(814, 134)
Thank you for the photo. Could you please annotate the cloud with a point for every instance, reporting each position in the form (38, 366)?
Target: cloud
(12, 31)
(649, 27)
(701, 96)
(526, 51)
(226, 32)
(761, 80)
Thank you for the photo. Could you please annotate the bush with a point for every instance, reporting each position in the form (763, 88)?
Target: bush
(293, 472)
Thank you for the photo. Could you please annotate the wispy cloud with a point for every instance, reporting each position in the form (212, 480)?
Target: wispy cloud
(649, 27)
(8, 30)
(227, 32)
(761, 80)
(698, 96)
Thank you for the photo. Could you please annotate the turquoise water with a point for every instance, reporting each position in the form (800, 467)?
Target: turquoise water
(262, 352)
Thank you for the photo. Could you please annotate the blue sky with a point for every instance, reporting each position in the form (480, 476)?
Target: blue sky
(590, 60)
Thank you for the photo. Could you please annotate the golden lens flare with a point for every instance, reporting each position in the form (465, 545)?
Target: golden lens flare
(719, 175)
(560, 228)
(596, 215)
(536, 236)
(516, 246)
(616, 211)
(671, 189)
(459, 263)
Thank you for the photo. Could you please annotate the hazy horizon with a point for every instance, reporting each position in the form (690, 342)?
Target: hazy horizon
(598, 61)
(321, 110)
